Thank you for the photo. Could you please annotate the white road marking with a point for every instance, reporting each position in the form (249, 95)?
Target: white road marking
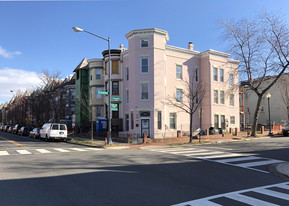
(23, 152)
(78, 149)
(43, 151)
(2, 153)
(239, 196)
(239, 159)
(61, 150)
(260, 163)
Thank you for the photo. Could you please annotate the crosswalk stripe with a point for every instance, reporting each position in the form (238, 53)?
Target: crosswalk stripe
(239, 196)
(222, 155)
(272, 193)
(177, 149)
(2, 153)
(61, 150)
(249, 200)
(43, 151)
(78, 149)
(192, 151)
(260, 163)
(239, 159)
(93, 148)
(23, 152)
(204, 154)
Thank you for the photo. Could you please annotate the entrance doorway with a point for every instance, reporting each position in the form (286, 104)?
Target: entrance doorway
(145, 127)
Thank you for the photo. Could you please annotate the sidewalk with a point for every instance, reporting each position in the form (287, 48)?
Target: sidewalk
(160, 142)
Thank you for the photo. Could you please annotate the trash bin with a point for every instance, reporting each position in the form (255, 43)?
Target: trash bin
(220, 131)
(212, 131)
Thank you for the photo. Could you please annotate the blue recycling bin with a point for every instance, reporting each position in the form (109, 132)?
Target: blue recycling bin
(101, 124)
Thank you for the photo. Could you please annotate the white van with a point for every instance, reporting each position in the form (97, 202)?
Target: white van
(53, 131)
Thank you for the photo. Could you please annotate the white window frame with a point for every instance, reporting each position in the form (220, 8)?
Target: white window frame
(215, 69)
(197, 73)
(180, 76)
(222, 98)
(179, 95)
(216, 102)
(98, 96)
(96, 74)
(232, 120)
(141, 65)
(175, 120)
(141, 91)
(221, 76)
(127, 96)
(232, 100)
(231, 80)
(126, 73)
(141, 45)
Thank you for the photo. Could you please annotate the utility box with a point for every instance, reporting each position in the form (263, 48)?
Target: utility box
(101, 124)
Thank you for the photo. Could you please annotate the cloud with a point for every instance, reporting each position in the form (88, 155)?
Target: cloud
(15, 80)
(8, 55)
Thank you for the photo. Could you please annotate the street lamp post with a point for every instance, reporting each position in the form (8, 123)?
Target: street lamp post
(76, 29)
(268, 96)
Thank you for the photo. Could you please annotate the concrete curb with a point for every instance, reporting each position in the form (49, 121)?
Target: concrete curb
(283, 168)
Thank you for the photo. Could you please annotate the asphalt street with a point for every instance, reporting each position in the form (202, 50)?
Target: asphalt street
(34, 172)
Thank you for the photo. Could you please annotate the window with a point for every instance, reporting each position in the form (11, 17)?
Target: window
(173, 120)
(221, 75)
(215, 74)
(98, 110)
(216, 99)
(144, 43)
(179, 95)
(197, 75)
(98, 96)
(115, 114)
(197, 98)
(115, 88)
(131, 120)
(231, 80)
(216, 121)
(231, 100)
(126, 122)
(159, 120)
(144, 65)
(223, 122)
(127, 73)
(222, 97)
(179, 72)
(232, 119)
(127, 96)
(98, 74)
(144, 92)
(115, 67)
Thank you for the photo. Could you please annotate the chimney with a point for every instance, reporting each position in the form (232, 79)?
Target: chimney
(191, 46)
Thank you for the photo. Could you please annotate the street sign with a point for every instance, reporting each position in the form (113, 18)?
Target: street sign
(114, 107)
(102, 92)
(116, 99)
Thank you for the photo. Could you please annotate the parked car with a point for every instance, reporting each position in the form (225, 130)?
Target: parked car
(53, 131)
(2, 127)
(285, 130)
(24, 131)
(6, 128)
(16, 128)
(10, 129)
(35, 133)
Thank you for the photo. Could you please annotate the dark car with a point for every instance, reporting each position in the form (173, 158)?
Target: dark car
(24, 131)
(35, 133)
(16, 128)
(10, 129)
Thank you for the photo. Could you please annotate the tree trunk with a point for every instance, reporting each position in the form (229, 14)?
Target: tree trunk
(191, 129)
(256, 116)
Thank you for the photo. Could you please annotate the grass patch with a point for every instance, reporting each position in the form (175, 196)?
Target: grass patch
(86, 142)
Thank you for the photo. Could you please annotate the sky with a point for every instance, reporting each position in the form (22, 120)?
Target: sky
(37, 36)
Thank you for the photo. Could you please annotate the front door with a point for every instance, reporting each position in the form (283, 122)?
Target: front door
(145, 127)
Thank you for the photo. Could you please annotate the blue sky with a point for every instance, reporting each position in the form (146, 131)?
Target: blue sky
(38, 35)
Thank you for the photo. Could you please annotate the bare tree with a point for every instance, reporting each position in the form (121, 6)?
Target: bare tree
(262, 46)
(191, 97)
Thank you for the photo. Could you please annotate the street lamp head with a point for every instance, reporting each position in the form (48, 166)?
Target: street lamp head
(268, 96)
(76, 29)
